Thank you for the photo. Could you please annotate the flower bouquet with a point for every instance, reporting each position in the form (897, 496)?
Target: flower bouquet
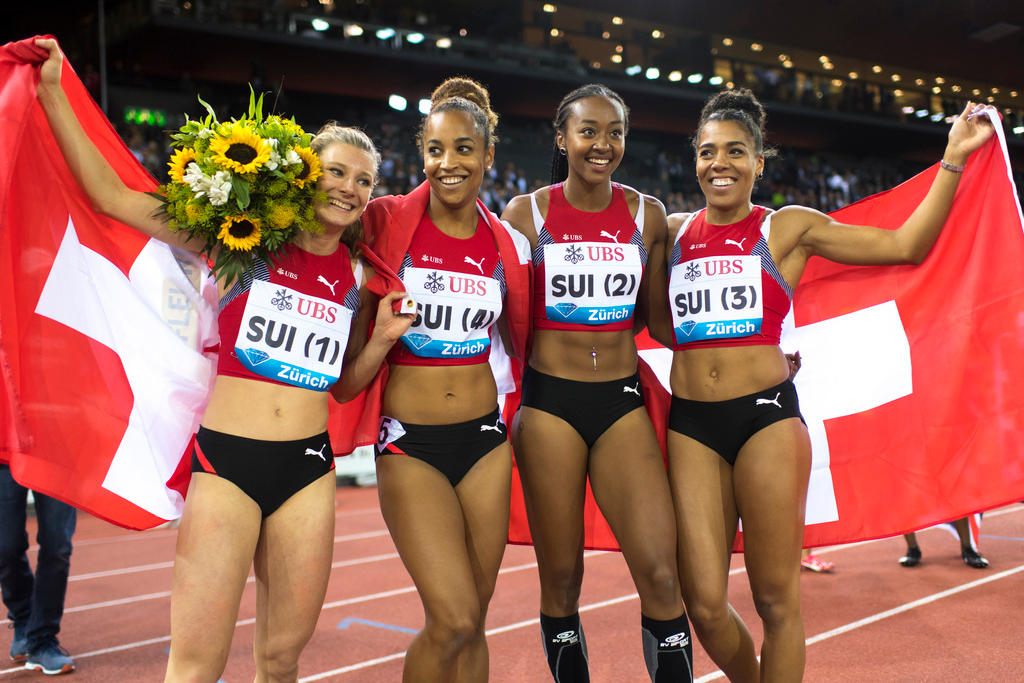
(243, 187)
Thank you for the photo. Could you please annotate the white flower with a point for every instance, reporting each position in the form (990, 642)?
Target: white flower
(205, 133)
(194, 178)
(274, 161)
(292, 158)
(219, 188)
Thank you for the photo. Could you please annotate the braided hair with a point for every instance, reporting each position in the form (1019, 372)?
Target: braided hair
(559, 162)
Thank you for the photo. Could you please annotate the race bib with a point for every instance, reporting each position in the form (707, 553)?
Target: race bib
(716, 297)
(454, 312)
(291, 337)
(591, 283)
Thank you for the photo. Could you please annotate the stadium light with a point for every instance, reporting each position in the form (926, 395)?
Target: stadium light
(1018, 130)
(385, 33)
(320, 24)
(633, 70)
(415, 38)
(444, 43)
(715, 80)
(397, 102)
(424, 106)
(353, 30)
(549, 8)
(616, 58)
(908, 110)
(921, 113)
(695, 78)
(653, 73)
(675, 76)
(937, 117)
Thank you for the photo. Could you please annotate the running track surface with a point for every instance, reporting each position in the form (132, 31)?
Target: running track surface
(869, 620)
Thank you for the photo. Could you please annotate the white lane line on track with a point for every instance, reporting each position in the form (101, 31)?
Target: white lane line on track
(167, 594)
(329, 605)
(511, 627)
(906, 607)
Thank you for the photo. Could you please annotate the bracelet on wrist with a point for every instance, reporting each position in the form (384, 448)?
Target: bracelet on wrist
(951, 167)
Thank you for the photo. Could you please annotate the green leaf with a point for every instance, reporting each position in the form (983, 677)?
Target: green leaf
(208, 108)
(241, 189)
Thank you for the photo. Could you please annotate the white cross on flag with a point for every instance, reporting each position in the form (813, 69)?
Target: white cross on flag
(99, 326)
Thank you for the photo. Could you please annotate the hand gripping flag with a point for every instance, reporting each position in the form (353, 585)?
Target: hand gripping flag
(99, 325)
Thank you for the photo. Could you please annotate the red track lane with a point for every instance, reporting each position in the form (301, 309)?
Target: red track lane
(869, 620)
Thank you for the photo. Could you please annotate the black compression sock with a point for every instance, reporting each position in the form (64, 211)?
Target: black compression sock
(667, 649)
(566, 648)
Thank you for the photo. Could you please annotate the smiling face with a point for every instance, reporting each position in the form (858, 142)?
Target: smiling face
(594, 138)
(727, 164)
(348, 176)
(455, 157)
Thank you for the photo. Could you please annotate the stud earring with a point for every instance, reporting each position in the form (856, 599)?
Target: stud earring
(561, 150)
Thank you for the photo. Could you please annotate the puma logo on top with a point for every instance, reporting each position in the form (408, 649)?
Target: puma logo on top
(479, 266)
(310, 451)
(613, 238)
(330, 285)
(739, 245)
(769, 401)
(635, 390)
(489, 428)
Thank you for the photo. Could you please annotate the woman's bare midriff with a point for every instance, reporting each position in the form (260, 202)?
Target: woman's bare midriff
(432, 395)
(584, 356)
(722, 373)
(264, 410)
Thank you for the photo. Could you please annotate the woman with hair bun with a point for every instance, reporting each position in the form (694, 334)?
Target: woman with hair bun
(738, 447)
(595, 244)
(444, 464)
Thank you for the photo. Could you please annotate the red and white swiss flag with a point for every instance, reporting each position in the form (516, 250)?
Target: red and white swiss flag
(99, 326)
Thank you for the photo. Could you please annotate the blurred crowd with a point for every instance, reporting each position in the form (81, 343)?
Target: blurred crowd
(652, 164)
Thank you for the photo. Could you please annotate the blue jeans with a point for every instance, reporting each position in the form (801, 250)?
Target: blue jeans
(34, 603)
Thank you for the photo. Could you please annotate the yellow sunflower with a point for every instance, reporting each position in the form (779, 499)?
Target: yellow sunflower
(240, 233)
(310, 171)
(179, 161)
(242, 151)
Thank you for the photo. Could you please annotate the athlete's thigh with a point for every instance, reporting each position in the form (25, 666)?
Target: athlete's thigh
(216, 542)
(770, 480)
(552, 462)
(630, 483)
(706, 517)
(293, 559)
(424, 516)
(484, 495)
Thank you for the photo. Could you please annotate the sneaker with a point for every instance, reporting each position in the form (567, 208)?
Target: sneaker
(912, 558)
(816, 564)
(50, 658)
(973, 559)
(19, 645)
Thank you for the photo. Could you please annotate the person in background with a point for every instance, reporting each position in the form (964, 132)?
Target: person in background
(35, 603)
(968, 551)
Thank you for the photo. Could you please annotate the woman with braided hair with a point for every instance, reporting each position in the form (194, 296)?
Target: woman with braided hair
(737, 445)
(444, 464)
(595, 243)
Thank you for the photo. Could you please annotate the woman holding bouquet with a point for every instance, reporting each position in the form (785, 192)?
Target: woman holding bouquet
(262, 490)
